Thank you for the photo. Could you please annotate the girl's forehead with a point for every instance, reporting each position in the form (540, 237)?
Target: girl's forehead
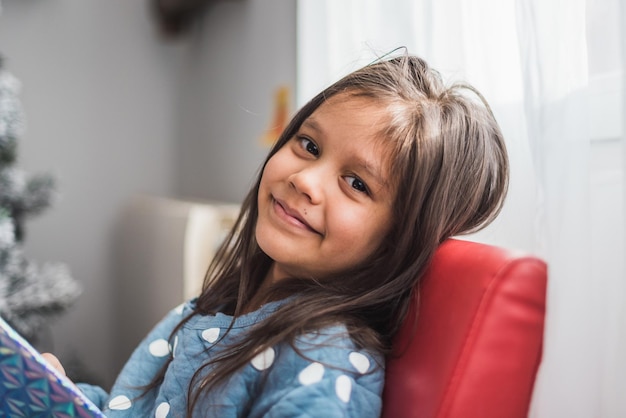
(348, 111)
(355, 100)
(373, 117)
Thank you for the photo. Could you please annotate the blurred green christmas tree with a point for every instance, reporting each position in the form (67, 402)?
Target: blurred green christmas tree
(30, 295)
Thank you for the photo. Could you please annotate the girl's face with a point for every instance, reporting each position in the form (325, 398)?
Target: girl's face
(325, 197)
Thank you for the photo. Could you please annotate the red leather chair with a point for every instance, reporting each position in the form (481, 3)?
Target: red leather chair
(474, 347)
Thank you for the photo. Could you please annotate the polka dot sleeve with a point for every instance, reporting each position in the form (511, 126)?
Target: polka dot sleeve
(126, 397)
(325, 377)
(95, 394)
(339, 396)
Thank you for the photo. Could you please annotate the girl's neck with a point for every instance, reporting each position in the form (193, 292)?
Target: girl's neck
(262, 295)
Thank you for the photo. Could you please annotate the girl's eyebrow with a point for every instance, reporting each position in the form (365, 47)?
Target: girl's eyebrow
(312, 124)
(372, 171)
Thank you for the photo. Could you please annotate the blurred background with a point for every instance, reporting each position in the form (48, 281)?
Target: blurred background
(117, 106)
(179, 100)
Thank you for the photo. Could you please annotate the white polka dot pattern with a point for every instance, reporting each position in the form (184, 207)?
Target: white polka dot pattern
(264, 360)
(179, 309)
(162, 410)
(159, 348)
(120, 403)
(343, 388)
(360, 362)
(211, 335)
(311, 374)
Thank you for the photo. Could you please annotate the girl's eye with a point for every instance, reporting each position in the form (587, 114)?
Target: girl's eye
(309, 146)
(357, 184)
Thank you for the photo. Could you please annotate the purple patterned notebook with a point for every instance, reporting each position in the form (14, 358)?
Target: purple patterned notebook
(30, 387)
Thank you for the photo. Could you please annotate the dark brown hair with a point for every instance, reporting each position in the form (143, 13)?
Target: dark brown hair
(450, 169)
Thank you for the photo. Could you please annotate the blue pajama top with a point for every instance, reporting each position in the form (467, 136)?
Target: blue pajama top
(330, 378)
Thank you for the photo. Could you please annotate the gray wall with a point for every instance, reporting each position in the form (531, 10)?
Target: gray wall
(243, 51)
(115, 110)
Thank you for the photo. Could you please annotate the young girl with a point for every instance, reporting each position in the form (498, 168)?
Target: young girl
(299, 308)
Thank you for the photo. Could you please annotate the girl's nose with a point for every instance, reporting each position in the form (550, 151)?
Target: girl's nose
(308, 182)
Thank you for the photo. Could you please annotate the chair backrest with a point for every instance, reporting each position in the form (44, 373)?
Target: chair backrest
(472, 345)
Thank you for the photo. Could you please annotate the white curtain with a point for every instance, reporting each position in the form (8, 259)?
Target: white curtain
(551, 69)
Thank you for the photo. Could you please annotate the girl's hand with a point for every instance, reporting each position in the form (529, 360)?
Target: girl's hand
(54, 361)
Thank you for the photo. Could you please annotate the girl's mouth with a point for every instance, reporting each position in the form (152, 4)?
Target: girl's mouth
(291, 216)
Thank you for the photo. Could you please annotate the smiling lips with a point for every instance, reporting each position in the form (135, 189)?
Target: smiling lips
(291, 216)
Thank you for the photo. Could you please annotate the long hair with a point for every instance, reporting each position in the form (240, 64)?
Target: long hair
(450, 170)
